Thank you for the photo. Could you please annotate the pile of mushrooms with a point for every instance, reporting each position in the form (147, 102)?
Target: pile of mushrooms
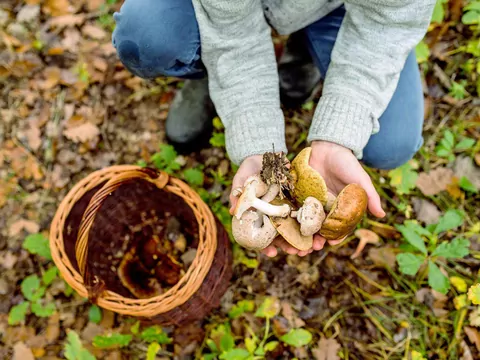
(262, 213)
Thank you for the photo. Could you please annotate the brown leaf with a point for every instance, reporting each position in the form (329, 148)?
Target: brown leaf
(68, 20)
(95, 32)
(382, 257)
(8, 260)
(28, 13)
(22, 352)
(57, 7)
(33, 137)
(454, 189)
(19, 225)
(90, 331)
(473, 336)
(52, 77)
(477, 159)
(93, 5)
(426, 211)
(100, 64)
(435, 181)
(291, 316)
(53, 328)
(82, 133)
(326, 349)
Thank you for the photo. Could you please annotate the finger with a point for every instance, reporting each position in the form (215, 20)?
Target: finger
(303, 253)
(318, 242)
(270, 251)
(374, 203)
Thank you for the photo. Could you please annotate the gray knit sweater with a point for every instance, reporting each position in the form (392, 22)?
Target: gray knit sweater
(374, 41)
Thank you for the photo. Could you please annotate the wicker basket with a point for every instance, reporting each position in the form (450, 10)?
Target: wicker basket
(96, 218)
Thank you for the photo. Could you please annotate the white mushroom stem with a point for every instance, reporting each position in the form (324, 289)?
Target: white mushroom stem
(248, 199)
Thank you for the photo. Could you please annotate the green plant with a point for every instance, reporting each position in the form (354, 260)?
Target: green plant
(73, 348)
(422, 249)
(166, 159)
(471, 14)
(33, 289)
(449, 145)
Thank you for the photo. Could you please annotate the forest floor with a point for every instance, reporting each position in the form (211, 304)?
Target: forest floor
(68, 108)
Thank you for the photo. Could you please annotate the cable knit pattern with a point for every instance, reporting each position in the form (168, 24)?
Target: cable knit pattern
(373, 43)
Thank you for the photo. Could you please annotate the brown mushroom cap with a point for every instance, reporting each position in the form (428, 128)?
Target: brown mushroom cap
(306, 180)
(347, 211)
(289, 229)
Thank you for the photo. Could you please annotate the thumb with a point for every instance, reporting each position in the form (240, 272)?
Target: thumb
(374, 202)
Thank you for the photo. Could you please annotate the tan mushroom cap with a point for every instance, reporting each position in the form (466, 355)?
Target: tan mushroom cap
(310, 216)
(289, 229)
(347, 211)
(307, 181)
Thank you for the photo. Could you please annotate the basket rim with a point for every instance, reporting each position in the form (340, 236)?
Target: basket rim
(109, 299)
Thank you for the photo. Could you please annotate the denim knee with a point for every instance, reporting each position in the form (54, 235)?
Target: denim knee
(158, 38)
(388, 157)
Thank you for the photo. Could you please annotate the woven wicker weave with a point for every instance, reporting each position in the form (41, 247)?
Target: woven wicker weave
(93, 220)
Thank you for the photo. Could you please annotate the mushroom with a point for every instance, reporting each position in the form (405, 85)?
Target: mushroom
(253, 230)
(347, 211)
(306, 180)
(254, 188)
(290, 230)
(310, 216)
(136, 277)
(366, 237)
(330, 201)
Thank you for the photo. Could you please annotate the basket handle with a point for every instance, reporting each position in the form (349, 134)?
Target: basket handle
(160, 179)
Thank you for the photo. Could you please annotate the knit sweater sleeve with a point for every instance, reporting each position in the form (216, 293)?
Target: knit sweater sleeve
(374, 40)
(238, 53)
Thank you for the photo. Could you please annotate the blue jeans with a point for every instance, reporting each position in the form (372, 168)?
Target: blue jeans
(161, 38)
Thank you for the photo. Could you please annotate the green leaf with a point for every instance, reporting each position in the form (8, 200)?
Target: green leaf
(403, 178)
(450, 220)
(471, 18)
(458, 90)
(241, 307)
(474, 294)
(38, 244)
(409, 263)
(74, 349)
(269, 308)
(473, 5)
(250, 344)
(422, 52)
(270, 346)
(415, 226)
(18, 313)
(165, 159)
(43, 310)
(212, 346)
(30, 286)
(467, 185)
(297, 337)
(308, 106)
(436, 279)
(95, 314)
(457, 248)
(227, 342)
(442, 152)
(413, 238)
(218, 139)
(152, 350)
(465, 144)
(155, 334)
(448, 139)
(194, 177)
(438, 12)
(68, 290)
(135, 328)
(217, 123)
(473, 47)
(235, 354)
(112, 340)
(50, 275)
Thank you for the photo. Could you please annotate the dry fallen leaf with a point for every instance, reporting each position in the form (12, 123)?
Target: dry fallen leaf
(28, 13)
(56, 7)
(426, 211)
(95, 32)
(384, 256)
(291, 316)
(473, 336)
(82, 133)
(8, 260)
(22, 352)
(477, 159)
(454, 189)
(326, 349)
(22, 224)
(435, 181)
(53, 328)
(464, 167)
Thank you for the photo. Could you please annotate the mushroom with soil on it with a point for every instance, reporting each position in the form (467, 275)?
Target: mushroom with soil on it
(310, 216)
(254, 187)
(347, 211)
(253, 230)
